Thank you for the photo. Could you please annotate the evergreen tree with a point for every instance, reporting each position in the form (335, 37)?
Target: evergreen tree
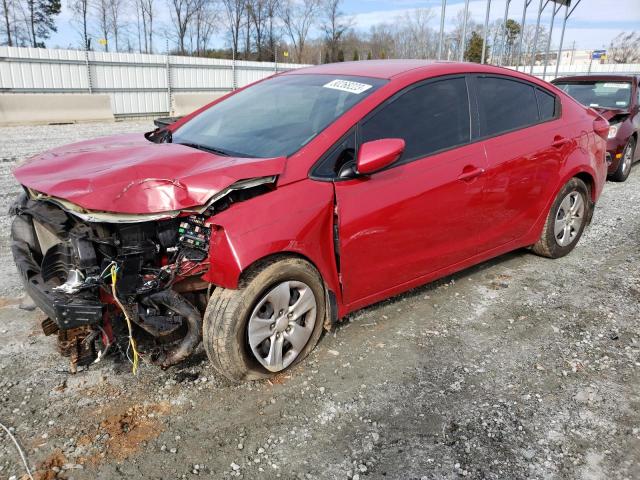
(356, 55)
(474, 48)
(41, 20)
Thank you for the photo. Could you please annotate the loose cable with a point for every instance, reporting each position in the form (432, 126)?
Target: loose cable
(132, 342)
(24, 460)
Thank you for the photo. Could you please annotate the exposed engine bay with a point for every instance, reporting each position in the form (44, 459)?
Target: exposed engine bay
(132, 286)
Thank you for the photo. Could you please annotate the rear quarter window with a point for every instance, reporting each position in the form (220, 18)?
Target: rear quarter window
(547, 105)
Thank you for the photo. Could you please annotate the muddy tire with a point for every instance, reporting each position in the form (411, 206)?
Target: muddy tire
(566, 220)
(269, 324)
(624, 166)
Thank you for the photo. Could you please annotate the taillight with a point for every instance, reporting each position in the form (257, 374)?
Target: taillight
(601, 127)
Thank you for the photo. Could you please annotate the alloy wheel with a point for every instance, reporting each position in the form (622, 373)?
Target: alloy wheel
(569, 218)
(281, 324)
(627, 159)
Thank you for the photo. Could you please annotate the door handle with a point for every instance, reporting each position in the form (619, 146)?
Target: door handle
(559, 141)
(469, 173)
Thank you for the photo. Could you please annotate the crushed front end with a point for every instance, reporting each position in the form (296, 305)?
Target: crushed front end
(101, 283)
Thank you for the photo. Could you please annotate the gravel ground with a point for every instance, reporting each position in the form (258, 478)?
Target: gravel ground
(521, 367)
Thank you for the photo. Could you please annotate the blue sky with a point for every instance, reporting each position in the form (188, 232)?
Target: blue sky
(592, 26)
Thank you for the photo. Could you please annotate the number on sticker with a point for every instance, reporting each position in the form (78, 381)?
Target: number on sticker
(348, 86)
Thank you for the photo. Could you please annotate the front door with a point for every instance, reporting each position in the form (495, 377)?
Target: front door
(421, 214)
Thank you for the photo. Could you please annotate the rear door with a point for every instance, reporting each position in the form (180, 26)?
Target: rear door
(421, 214)
(525, 144)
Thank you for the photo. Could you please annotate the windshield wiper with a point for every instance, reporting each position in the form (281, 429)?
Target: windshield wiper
(204, 148)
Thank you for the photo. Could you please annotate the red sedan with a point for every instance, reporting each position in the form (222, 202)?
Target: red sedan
(260, 219)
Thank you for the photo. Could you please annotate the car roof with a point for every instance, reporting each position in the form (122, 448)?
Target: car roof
(597, 77)
(387, 69)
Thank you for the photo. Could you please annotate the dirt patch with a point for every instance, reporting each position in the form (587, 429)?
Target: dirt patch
(50, 467)
(8, 301)
(130, 430)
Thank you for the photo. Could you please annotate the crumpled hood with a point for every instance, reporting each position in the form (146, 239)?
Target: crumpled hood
(609, 113)
(129, 174)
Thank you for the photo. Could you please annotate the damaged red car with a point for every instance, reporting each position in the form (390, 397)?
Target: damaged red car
(263, 218)
(616, 98)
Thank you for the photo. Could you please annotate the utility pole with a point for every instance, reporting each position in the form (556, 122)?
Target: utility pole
(503, 42)
(573, 52)
(554, 12)
(444, 8)
(486, 32)
(567, 14)
(524, 18)
(464, 31)
(534, 47)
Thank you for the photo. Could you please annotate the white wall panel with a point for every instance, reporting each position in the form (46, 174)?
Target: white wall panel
(137, 84)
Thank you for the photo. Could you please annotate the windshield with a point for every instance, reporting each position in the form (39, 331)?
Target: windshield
(602, 94)
(275, 117)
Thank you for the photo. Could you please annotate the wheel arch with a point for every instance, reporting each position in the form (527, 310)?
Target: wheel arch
(587, 177)
(331, 301)
(589, 181)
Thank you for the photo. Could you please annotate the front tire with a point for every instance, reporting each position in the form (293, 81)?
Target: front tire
(624, 167)
(566, 221)
(269, 324)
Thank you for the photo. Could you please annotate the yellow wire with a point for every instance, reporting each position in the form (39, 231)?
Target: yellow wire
(132, 342)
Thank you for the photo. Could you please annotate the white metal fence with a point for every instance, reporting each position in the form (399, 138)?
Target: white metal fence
(582, 69)
(138, 84)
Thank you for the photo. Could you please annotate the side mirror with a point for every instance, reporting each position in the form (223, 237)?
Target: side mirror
(378, 154)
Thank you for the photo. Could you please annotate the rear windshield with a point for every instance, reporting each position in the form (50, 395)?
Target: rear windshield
(602, 94)
(275, 117)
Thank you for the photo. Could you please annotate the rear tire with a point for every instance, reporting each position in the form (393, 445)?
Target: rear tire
(245, 328)
(566, 221)
(624, 167)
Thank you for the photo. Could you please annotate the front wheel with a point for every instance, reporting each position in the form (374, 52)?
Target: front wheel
(624, 167)
(566, 220)
(270, 323)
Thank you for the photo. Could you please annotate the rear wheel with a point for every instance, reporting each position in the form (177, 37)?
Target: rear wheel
(566, 220)
(624, 167)
(270, 323)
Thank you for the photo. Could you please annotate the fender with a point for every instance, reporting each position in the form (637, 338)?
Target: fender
(296, 218)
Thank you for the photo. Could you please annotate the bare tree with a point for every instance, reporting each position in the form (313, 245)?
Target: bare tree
(298, 17)
(272, 31)
(117, 12)
(414, 38)
(7, 10)
(456, 35)
(334, 24)
(182, 13)
(262, 14)
(146, 16)
(531, 52)
(203, 26)
(625, 48)
(80, 10)
(103, 13)
(382, 41)
(234, 11)
(256, 10)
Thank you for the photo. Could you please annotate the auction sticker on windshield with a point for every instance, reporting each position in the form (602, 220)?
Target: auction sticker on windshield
(625, 86)
(348, 86)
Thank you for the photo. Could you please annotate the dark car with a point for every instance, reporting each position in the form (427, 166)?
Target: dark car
(256, 221)
(616, 98)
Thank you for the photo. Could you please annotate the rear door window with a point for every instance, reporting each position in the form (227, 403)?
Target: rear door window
(505, 105)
